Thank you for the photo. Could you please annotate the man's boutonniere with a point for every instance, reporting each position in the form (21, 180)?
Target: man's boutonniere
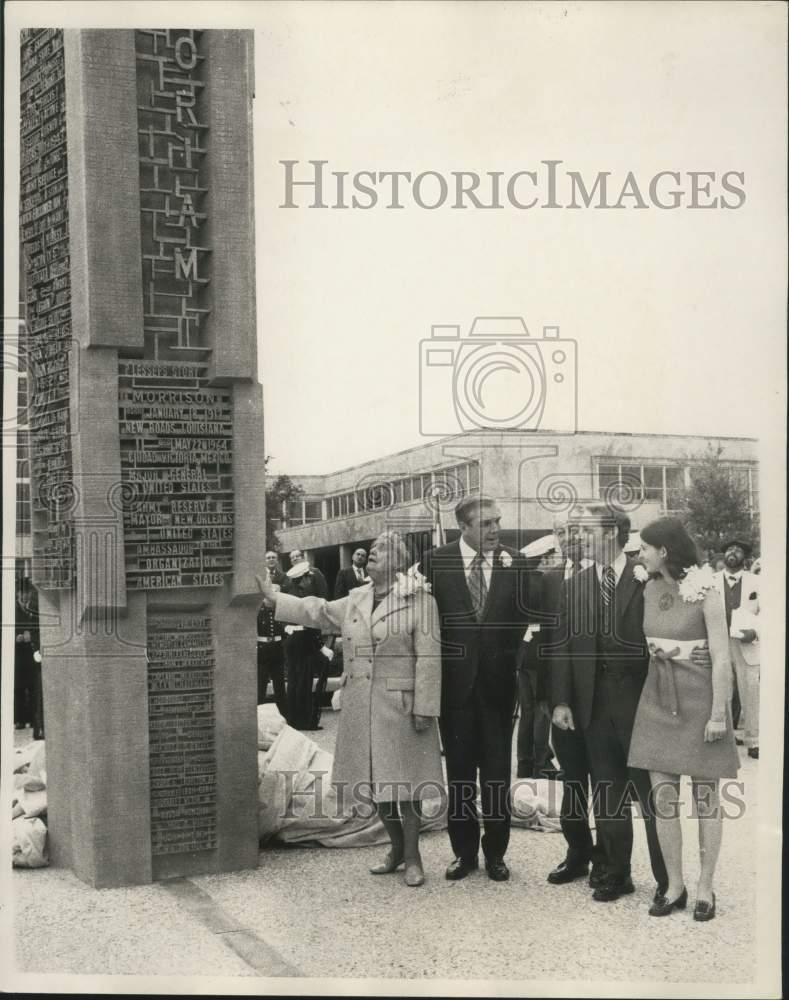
(640, 573)
(411, 582)
(505, 559)
(695, 583)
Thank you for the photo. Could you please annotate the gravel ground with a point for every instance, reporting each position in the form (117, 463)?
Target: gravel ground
(325, 915)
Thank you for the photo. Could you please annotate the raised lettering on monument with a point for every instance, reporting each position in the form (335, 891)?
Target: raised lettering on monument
(47, 292)
(182, 734)
(176, 461)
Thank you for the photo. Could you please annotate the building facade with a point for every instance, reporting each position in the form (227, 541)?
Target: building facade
(535, 479)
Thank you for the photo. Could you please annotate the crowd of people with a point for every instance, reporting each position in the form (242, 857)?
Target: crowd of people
(299, 653)
(628, 668)
(623, 668)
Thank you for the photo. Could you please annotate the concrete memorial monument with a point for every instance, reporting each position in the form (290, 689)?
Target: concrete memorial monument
(146, 438)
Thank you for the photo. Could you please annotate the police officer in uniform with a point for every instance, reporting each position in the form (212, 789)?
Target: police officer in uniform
(271, 657)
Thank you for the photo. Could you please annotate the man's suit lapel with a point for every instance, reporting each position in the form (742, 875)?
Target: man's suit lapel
(458, 571)
(587, 579)
(626, 588)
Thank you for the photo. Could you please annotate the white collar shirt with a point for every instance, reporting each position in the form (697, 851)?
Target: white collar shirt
(468, 555)
(617, 565)
(732, 576)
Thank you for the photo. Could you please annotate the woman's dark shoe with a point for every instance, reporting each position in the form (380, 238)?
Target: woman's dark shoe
(414, 873)
(662, 907)
(704, 910)
(390, 864)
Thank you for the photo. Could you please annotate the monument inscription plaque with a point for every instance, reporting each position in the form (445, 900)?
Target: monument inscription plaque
(45, 246)
(176, 455)
(182, 738)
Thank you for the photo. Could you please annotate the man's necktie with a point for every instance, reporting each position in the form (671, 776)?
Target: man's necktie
(607, 588)
(477, 585)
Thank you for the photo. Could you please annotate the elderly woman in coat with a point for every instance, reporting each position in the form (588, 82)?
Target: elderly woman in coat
(387, 742)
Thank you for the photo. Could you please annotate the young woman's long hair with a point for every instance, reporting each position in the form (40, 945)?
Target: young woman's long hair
(670, 533)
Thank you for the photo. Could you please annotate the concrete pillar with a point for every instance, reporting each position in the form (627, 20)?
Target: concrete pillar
(139, 286)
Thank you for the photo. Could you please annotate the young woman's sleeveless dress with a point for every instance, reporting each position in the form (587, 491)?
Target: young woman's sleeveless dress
(676, 701)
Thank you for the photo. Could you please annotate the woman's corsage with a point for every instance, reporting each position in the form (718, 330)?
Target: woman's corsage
(695, 583)
(505, 559)
(640, 573)
(411, 582)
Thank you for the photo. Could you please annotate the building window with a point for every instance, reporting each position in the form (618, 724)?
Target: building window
(675, 487)
(663, 483)
(294, 512)
(23, 508)
(312, 511)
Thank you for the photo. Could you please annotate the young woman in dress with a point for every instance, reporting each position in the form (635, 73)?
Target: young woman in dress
(683, 724)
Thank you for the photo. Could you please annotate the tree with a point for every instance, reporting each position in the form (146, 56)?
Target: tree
(716, 505)
(282, 488)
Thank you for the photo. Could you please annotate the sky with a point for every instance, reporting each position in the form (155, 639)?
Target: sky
(677, 316)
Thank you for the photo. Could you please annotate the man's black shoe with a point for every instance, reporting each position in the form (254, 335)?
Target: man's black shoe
(497, 870)
(568, 871)
(597, 876)
(753, 752)
(659, 892)
(460, 868)
(613, 888)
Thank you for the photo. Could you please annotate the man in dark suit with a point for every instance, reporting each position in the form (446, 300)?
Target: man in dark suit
(276, 575)
(483, 594)
(352, 576)
(568, 744)
(596, 682)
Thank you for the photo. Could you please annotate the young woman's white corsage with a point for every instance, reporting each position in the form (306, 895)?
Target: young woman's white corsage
(505, 559)
(640, 573)
(694, 585)
(411, 582)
